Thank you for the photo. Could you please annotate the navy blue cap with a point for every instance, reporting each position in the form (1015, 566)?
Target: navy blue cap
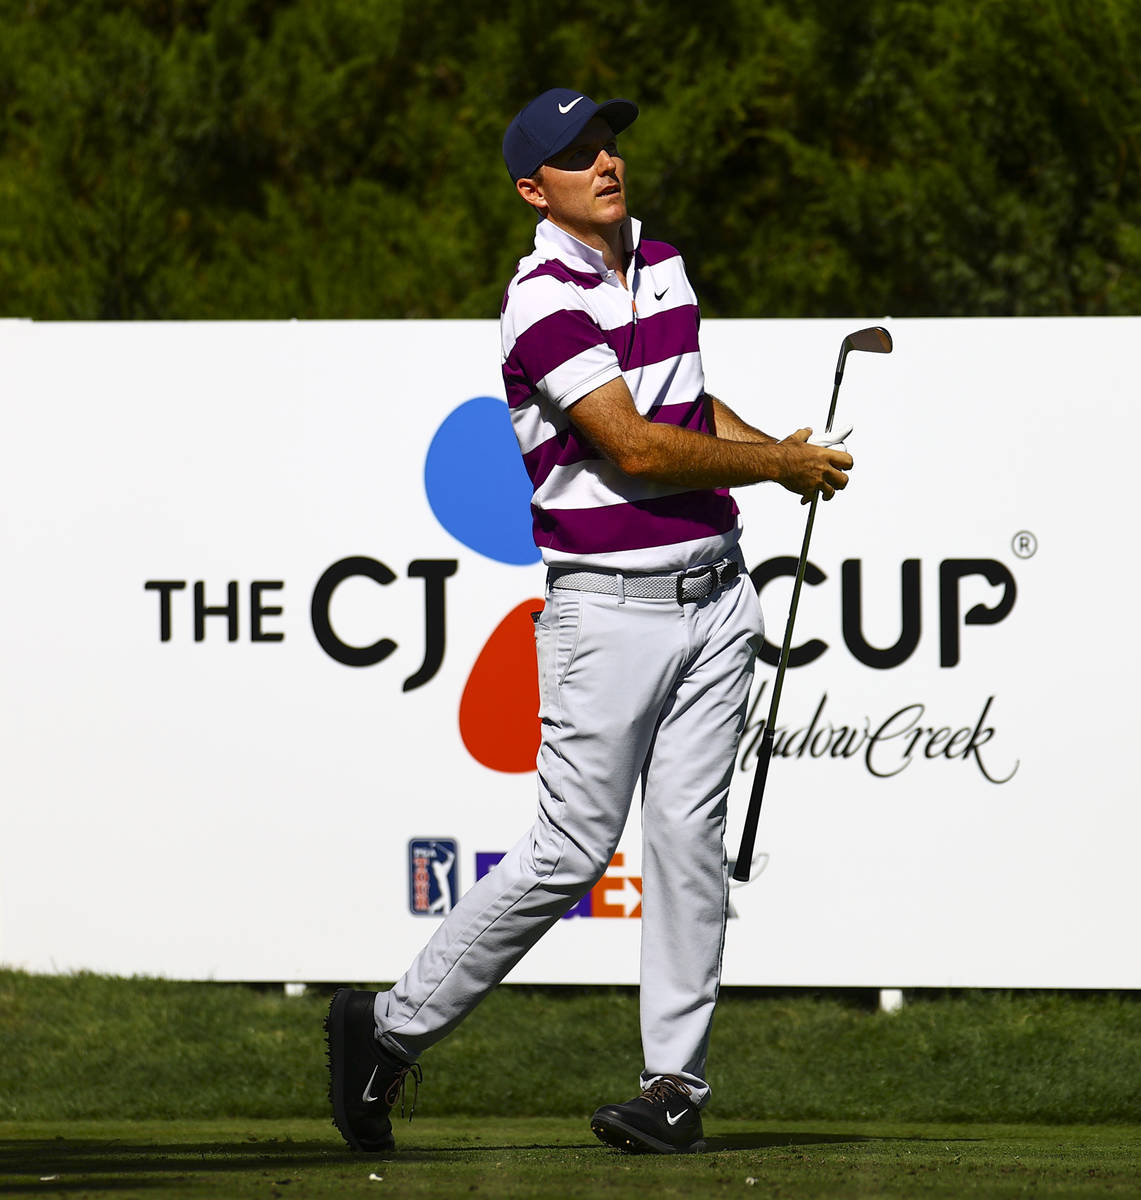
(551, 122)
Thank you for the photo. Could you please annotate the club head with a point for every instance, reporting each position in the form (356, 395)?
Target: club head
(875, 340)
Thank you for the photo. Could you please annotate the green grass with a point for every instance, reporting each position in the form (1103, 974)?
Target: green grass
(557, 1157)
(130, 1088)
(85, 1046)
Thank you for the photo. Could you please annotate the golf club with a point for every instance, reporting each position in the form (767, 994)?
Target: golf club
(875, 340)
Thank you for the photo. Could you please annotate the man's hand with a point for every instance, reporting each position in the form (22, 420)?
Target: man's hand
(810, 469)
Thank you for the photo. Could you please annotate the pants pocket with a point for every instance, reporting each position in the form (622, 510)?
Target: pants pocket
(556, 641)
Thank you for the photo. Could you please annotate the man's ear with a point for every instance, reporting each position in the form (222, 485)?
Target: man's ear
(532, 191)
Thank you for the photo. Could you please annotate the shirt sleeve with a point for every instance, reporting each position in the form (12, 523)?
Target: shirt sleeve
(560, 353)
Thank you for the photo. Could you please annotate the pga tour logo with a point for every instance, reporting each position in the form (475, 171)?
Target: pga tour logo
(433, 876)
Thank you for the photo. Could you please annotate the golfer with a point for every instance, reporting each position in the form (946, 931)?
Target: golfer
(645, 644)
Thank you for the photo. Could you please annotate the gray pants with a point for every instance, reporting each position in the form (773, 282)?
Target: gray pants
(635, 688)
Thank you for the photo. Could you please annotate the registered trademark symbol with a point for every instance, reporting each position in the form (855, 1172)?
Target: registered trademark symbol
(1024, 544)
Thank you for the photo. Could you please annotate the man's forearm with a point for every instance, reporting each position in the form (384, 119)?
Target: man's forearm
(671, 455)
(681, 457)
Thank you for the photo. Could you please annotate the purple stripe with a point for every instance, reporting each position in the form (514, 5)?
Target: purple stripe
(656, 252)
(559, 337)
(656, 339)
(565, 448)
(570, 446)
(662, 521)
(685, 416)
(546, 345)
(563, 273)
(518, 387)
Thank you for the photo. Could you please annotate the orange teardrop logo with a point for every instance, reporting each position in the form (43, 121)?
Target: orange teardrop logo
(499, 710)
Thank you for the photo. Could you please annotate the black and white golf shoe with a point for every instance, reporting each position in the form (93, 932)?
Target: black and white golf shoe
(662, 1120)
(364, 1079)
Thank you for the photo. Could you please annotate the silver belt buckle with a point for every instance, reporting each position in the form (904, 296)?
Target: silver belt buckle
(719, 574)
(694, 573)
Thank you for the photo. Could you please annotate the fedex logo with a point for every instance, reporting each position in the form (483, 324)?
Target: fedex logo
(616, 894)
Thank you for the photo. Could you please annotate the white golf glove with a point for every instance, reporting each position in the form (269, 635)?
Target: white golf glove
(833, 440)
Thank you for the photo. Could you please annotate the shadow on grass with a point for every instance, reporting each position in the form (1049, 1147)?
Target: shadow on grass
(92, 1164)
(717, 1143)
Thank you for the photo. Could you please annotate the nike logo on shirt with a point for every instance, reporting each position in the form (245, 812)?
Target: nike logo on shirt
(659, 295)
(565, 108)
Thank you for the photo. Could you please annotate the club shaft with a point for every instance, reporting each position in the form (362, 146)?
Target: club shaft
(748, 839)
(749, 834)
(756, 796)
(794, 604)
(798, 583)
(835, 391)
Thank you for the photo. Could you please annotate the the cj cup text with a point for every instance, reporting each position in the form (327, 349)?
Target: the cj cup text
(189, 609)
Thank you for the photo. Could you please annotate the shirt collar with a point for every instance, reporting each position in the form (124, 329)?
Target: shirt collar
(554, 242)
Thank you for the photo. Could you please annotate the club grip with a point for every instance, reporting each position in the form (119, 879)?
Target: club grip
(752, 817)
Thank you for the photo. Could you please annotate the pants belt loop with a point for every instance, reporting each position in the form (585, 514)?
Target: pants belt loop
(621, 588)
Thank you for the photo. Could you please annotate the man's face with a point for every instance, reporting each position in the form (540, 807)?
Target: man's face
(583, 188)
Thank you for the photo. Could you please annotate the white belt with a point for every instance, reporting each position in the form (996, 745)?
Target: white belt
(685, 586)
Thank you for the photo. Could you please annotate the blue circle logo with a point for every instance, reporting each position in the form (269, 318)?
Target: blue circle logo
(476, 483)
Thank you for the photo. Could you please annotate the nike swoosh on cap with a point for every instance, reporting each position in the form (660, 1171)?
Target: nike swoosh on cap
(565, 108)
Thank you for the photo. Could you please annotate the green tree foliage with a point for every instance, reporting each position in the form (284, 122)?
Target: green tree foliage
(340, 158)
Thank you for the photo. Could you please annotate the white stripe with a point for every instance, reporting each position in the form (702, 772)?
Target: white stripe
(673, 381)
(533, 301)
(677, 557)
(595, 484)
(534, 425)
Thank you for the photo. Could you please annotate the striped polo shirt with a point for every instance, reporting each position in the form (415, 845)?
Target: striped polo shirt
(567, 327)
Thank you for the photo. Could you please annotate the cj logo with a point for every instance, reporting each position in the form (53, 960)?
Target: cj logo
(478, 490)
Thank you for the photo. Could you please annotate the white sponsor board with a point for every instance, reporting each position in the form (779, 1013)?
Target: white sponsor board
(239, 621)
